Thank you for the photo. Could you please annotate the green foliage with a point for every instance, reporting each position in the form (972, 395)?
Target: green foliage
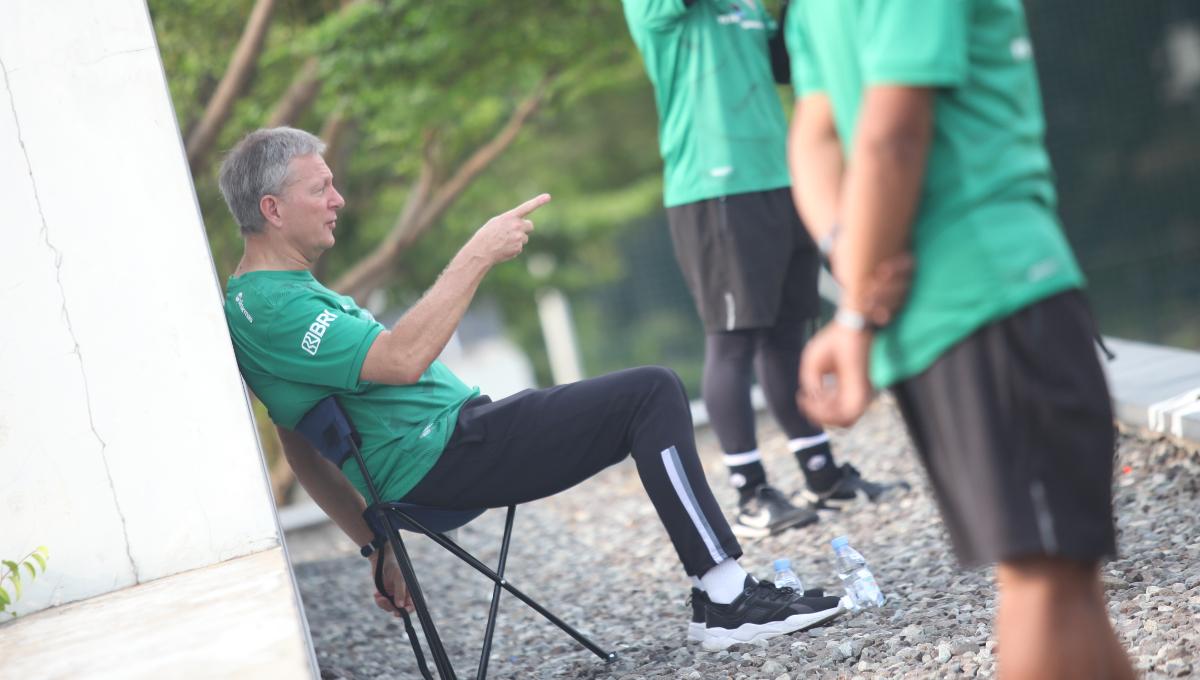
(402, 70)
(399, 70)
(11, 579)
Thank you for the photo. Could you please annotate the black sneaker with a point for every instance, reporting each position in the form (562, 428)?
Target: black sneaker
(847, 489)
(769, 512)
(696, 626)
(762, 612)
(698, 599)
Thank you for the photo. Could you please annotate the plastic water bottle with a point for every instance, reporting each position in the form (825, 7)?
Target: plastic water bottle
(861, 588)
(785, 577)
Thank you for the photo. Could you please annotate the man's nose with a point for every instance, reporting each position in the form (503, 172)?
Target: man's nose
(338, 201)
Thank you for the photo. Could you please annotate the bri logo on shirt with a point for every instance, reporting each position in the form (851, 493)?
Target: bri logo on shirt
(312, 339)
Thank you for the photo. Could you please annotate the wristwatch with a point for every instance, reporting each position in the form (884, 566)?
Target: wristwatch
(370, 548)
(853, 320)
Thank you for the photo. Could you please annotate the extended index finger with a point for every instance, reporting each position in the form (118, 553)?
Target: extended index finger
(530, 205)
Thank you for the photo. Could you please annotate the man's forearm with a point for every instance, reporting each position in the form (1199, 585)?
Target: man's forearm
(327, 485)
(883, 186)
(422, 333)
(816, 165)
(401, 355)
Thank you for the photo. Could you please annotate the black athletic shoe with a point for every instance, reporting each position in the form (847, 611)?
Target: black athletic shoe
(769, 512)
(762, 612)
(847, 489)
(698, 599)
(696, 626)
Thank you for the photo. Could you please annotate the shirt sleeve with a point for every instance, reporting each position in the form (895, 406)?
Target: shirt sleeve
(806, 77)
(311, 341)
(914, 43)
(655, 14)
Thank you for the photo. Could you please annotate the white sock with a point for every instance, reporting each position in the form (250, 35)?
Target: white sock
(697, 583)
(801, 443)
(724, 582)
(743, 458)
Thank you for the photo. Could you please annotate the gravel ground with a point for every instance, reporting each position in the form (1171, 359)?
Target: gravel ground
(598, 557)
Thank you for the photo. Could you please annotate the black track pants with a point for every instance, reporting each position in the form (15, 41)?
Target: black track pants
(775, 355)
(539, 442)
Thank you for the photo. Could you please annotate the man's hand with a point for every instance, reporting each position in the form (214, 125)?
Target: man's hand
(504, 236)
(887, 289)
(834, 386)
(393, 580)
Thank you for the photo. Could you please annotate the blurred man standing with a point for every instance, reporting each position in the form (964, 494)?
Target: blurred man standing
(919, 127)
(748, 262)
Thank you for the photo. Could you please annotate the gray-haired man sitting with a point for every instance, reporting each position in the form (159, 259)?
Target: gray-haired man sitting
(430, 439)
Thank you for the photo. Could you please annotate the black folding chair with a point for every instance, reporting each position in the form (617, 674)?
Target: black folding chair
(329, 430)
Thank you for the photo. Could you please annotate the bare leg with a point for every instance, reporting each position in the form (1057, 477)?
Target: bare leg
(1052, 623)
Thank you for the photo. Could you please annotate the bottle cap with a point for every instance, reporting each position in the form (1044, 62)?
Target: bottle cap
(839, 542)
(782, 563)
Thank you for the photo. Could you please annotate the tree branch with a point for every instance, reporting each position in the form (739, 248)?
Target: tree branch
(483, 157)
(237, 74)
(299, 96)
(425, 205)
(302, 91)
(370, 272)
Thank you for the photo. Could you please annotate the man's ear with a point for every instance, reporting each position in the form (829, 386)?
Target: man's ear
(269, 207)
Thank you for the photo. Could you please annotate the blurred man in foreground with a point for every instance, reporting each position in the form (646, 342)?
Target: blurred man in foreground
(919, 128)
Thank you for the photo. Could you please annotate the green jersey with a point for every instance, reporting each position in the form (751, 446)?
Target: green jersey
(986, 238)
(721, 128)
(298, 342)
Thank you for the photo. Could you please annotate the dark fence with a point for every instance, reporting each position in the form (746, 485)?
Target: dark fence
(1121, 86)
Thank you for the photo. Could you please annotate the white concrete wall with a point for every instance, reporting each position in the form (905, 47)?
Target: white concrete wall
(126, 446)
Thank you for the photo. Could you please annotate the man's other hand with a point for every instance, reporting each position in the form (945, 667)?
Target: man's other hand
(504, 236)
(834, 386)
(393, 580)
(887, 289)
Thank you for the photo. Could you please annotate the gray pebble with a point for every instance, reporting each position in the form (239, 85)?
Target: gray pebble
(773, 668)
(944, 654)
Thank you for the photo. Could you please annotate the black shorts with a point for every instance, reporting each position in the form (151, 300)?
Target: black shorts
(747, 259)
(1015, 427)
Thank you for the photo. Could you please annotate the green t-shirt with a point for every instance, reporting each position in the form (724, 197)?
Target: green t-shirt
(986, 238)
(721, 128)
(298, 342)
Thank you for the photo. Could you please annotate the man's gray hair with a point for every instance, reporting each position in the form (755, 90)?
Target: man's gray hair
(258, 166)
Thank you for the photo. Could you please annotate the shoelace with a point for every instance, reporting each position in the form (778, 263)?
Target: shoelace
(774, 592)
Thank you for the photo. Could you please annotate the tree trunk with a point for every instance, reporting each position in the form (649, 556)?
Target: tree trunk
(233, 83)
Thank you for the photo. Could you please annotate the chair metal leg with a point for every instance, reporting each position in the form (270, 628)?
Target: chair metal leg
(392, 532)
(499, 580)
(436, 649)
(481, 674)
